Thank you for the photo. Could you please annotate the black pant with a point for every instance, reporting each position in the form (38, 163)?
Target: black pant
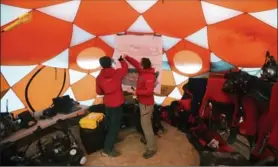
(113, 120)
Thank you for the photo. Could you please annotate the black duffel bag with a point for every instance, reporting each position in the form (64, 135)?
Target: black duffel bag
(129, 116)
(100, 108)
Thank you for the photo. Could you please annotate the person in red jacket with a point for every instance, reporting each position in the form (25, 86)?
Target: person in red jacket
(144, 92)
(109, 84)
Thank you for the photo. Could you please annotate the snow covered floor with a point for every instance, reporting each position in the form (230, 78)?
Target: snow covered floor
(173, 150)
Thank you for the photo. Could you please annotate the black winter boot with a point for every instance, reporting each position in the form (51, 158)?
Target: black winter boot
(233, 135)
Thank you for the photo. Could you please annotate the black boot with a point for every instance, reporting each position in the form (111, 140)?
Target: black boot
(253, 159)
(252, 142)
(149, 153)
(113, 153)
(233, 135)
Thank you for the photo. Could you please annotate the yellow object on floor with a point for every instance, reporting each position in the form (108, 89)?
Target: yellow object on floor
(91, 120)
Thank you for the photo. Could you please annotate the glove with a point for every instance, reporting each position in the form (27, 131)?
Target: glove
(121, 58)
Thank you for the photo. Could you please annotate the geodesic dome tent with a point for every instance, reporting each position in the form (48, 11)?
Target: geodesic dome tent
(47, 54)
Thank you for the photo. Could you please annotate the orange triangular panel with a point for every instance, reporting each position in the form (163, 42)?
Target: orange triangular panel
(4, 86)
(45, 86)
(32, 3)
(167, 78)
(106, 17)
(34, 42)
(241, 44)
(85, 88)
(3, 92)
(168, 101)
(246, 6)
(19, 87)
(166, 90)
(176, 18)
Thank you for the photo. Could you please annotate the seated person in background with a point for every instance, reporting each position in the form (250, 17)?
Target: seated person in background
(109, 84)
(182, 117)
(182, 111)
(144, 92)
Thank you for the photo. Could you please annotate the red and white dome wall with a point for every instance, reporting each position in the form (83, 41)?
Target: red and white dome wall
(48, 56)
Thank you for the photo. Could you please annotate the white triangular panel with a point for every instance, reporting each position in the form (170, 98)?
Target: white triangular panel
(100, 96)
(214, 13)
(70, 93)
(259, 73)
(76, 76)
(249, 69)
(140, 25)
(255, 73)
(109, 40)
(199, 38)
(10, 13)
(159, 99)
(95, 74)
(79, 36)
(269, 17)
(169, 42)
(252, 71)
(141, 6)
(179, 78)
(60, 61)
(175, 94)
(164, 57)
(64, 11)
(214, 58)
(165, 66)
(14, 103)
(13, 74)
(87, 102)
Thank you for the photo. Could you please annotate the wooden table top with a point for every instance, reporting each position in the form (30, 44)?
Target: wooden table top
(44, 124)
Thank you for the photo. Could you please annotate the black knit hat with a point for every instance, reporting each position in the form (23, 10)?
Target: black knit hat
(146, 63)
(105, 62)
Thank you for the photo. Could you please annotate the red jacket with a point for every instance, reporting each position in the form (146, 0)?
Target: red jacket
(109, 84)
(145, 82)
(214, 93)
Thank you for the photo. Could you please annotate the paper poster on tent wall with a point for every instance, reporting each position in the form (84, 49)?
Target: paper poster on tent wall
(139, 46)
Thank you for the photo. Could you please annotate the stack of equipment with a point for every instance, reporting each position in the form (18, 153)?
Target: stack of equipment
(57, 148)
(8, 124)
